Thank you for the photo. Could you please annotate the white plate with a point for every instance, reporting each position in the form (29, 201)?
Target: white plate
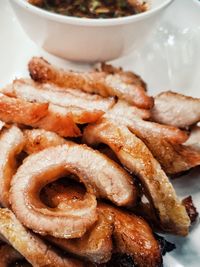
(169, 60)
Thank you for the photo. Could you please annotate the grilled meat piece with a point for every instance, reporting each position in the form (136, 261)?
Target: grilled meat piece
(176, 109)
(101, 83)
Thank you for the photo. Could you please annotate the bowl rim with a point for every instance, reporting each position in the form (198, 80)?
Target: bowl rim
(88, 21)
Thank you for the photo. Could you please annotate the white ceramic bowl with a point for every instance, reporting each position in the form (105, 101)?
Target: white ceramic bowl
(197, 2)
(90, 40)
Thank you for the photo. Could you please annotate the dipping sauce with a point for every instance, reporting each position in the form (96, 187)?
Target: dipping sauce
(93, 8)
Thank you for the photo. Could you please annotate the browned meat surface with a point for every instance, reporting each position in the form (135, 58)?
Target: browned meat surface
(31, 246)
(135, 156)
(93, 82)
(18, 111)
(194, 138)
(96, 244)
(129, 76)
(39, 139)
(165, 145)
(133, 117)
(41, 115)
(11, 144)
(190, 208)
(8, 255)
(105, 180)
(133, 236)
(32, 91)
(162, 140)
(176, 109)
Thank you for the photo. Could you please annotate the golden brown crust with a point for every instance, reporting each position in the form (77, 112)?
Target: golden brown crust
(47, 166)
(34, 249)
(136, 157)
(133, 236)
(41, 115)
(92, 82)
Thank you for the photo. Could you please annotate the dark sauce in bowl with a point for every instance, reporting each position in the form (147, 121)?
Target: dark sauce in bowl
(93, 8)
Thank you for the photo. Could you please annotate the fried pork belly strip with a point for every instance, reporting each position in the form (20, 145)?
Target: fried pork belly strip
(176, 109)
(90, 107)
(37, 140)
(135, 156)
(133, 117)
(164, 141)
(40, 115)
(80, 107)
(31, 246)
(132, 234)
(8, 255)
(11, 144)
(106, 180)
(101, 83)
(166, 145)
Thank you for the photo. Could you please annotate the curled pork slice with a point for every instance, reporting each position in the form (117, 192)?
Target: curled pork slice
(96, 244)
(105, 180)
(135, 156)
(11, 144)
(34, 249)
(133, 236)
(8, 255)
(101, 83)
(176, 109)
(40, 115)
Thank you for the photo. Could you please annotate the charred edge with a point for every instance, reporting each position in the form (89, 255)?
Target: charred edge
(165, 245)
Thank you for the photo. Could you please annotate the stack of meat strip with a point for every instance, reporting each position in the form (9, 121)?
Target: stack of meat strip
(93, 212)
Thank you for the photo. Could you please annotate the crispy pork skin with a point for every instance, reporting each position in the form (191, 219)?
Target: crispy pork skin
(38, 253)
(105, 180)
(11, 144)
(136, 157)
(176, 109)
(93, 82)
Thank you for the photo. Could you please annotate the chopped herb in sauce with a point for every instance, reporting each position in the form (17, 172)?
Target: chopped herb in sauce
(93, 8)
